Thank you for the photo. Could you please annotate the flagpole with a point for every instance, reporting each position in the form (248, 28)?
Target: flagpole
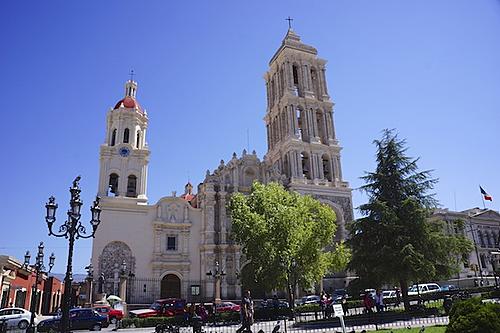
(482, 197)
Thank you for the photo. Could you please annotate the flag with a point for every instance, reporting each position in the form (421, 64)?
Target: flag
(485, 194)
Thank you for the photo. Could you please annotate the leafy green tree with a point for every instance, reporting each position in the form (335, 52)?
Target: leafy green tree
(286, 237)
(395, 241)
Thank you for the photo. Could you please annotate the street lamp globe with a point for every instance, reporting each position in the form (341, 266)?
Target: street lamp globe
(52, 260)
(27, 257)
(51, 207)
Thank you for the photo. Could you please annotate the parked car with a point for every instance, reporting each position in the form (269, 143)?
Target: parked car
(271, 303)
(80, 319)
(449, 287)
(338, 294)
(310, 299)
(227, 307)
(112, 313)
(16, 317)
(169, 307)
(423, 288)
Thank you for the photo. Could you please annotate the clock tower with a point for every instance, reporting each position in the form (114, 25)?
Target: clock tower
(124, 155)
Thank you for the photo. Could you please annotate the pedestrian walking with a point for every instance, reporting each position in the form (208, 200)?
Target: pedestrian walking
(368, 302)
(379, 301)
(398, 296)
(246, 313)
(344, 305)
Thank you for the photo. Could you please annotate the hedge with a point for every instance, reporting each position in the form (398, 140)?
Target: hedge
(474, 316)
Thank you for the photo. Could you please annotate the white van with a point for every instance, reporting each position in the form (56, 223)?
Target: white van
(423, 288)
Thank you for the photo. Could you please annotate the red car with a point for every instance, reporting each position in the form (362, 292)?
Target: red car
(227, 307)
(106, 310)
(169, 307)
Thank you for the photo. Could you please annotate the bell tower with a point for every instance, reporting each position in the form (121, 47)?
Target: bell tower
(124, 155)
(301, 137)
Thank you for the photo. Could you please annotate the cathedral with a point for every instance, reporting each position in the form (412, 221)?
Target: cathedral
(180, 246)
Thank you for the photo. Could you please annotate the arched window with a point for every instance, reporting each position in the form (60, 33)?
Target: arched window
(113, 183)
(295, 75)
(113, 137)
(126, 135)
(315, 82)
(327, 169)
(300, 124)
(131, 186)
(138, 139)
(321, 128)
(306, 172)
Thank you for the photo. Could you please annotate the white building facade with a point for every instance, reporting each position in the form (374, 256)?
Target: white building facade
(169, 246)
(482, 228)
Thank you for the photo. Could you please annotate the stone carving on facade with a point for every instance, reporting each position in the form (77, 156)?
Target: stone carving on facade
(110, 262)
(344, 203)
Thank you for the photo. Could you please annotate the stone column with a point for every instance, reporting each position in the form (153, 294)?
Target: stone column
(311, 126)
(315, 125)
(339, 167)
(89, 291)
(222, 216)
(305, 77)
(299, 164)
(321, 174)
(323, 77)
(286, 74)
(295, 120)
(123, 292)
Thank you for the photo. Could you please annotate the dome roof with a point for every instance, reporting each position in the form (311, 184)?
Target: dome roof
(128, 102)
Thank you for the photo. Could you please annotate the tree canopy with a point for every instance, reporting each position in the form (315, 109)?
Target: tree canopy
(395, 241)
(287, 237)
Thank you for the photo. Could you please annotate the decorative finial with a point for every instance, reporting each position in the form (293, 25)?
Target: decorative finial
(131, 75)
(289, 19)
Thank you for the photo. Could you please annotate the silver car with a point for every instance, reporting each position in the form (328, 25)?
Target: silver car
(16, 317)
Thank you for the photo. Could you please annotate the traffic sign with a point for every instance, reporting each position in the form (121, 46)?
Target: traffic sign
(338, 311)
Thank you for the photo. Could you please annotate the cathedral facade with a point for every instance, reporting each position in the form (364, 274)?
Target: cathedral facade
(168, 247)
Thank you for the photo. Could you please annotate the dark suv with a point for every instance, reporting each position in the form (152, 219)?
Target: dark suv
(80, 319)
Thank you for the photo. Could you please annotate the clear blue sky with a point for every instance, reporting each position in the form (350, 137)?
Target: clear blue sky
(430, 69)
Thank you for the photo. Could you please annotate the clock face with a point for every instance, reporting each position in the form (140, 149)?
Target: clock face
(124, 151)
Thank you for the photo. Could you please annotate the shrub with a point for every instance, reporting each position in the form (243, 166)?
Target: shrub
(227, 317)
(474, 316)
(307, 308)
(150, 322)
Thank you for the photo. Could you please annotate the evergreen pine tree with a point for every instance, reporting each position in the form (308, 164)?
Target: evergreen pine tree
(395, 241)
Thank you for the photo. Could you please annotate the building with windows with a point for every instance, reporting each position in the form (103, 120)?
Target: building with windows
(169, 246)
(16, 282)
(482, 227)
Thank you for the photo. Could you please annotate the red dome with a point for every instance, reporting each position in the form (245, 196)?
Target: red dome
(128, 102)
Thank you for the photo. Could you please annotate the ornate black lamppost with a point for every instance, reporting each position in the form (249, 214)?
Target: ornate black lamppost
(218, 274)
(39, 267)
(71, 229)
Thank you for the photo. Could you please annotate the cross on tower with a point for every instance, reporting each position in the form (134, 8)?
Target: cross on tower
(289, 22)
(132, 75)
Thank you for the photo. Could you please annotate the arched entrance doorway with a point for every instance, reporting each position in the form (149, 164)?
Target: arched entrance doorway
(170, 286)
